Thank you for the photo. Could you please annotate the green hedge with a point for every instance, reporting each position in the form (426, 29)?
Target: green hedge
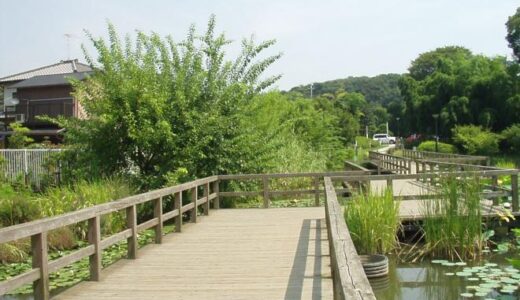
(443, 147)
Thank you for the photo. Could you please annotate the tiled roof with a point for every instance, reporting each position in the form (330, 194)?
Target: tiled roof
(45, 80)
(63, 67)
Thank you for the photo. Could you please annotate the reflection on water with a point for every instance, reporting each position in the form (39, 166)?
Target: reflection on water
(426, 281)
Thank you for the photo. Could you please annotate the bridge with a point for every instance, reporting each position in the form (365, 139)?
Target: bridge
(270, 253)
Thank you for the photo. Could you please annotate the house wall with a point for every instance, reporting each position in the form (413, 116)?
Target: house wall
(52, 101)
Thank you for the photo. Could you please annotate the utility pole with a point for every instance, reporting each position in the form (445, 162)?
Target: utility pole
(312, 88)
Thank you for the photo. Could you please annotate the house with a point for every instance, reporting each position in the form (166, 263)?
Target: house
(44, 91)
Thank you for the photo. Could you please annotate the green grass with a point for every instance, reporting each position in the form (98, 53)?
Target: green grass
(373, 221)
(453, 223)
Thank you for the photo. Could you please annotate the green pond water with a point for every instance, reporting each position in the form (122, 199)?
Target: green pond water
(491, 278)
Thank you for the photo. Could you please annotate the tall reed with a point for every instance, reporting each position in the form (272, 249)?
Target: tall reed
(453, 219)
(373, 222)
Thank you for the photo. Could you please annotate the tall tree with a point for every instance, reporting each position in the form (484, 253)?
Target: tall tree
(513, 33)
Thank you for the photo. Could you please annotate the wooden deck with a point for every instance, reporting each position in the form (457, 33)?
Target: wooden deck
(232, 254)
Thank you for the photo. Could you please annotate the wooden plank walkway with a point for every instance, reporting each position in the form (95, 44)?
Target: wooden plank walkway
(232, 254)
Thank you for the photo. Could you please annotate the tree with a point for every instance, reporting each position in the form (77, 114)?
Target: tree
(18, 138)
(156, 106)
(461, 87)
(513, 33)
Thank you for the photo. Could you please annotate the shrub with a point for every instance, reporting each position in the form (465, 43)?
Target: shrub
(10, 253)
(475, 140)
(511, 138)
(61, 239)
(59, 200)
(17, 205)
(373, 222)
(443, 147)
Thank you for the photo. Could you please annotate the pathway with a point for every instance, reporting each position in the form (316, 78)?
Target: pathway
(232, 254)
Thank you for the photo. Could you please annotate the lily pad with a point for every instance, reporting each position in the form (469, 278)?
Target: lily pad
(467, 295)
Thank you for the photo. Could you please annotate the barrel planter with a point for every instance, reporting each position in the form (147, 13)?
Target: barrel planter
(374, 265)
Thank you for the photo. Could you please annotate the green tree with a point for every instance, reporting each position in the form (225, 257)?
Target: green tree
(513, 33)
(19, 139)
(157, 106)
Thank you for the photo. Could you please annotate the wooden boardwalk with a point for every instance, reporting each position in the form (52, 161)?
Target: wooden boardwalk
(232, 254)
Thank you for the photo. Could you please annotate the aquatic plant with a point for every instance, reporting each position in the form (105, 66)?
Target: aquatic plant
(453, 220)
(373, 221)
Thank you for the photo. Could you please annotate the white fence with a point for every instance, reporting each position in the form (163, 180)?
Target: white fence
(30, 164)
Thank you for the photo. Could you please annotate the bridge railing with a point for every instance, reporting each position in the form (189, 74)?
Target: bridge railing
(392, 163)
(37, 230)
(268, 193)
(348, 276)
(447, 157)
(427, 191)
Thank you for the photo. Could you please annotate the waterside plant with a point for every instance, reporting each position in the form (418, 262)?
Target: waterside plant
(373, 221)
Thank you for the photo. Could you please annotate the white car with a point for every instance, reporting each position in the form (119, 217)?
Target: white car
(384, 138)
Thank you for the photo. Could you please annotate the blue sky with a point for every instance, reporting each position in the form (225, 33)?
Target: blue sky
(321, 40)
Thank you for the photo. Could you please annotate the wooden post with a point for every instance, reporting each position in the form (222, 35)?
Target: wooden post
(389, 183)
(205, 207)
(216, 201)
(265, 181)
(131, 223)
(514, 191)
(158, 214)
(40, 260)
(494, 182)
(178, 206)
(94, 238)
(316, 191)
(194, 196)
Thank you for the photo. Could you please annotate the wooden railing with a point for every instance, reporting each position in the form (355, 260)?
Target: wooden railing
(430, 178)
(447, 157)
(37, 231)
(392, 163)
(268, 193)
(349, 279)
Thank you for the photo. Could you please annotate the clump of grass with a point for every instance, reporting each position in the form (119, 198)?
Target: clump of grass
(373, 221)
(453, 220)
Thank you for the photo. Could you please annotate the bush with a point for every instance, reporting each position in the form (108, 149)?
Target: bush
(443, 147)
(61, 239)
(17, 205)
(60, 200)
(475, 140)
(511, 138)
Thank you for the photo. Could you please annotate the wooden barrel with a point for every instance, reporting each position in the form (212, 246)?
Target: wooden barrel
(374, 265)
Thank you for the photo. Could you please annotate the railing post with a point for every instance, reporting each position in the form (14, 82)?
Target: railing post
(94, 238)
(514, 191)
(205, 207)
(194, 196)
(389, 183)
(131, 223)
(178, 206)
(40, 260)
(316, 191)
(158, 213)
(216, 201)
(265, 181)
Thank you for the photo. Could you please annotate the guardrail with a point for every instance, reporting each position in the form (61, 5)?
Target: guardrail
(448, 157)
(268, 193)
(349, 279)
(37, 231)
(392, 163)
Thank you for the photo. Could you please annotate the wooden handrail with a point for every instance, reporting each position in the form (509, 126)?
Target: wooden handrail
(349, 278)
(38, 229)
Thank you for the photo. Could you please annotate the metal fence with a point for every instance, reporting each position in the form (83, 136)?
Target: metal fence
(30, 165)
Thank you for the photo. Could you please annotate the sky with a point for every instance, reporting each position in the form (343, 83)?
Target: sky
(320, 40)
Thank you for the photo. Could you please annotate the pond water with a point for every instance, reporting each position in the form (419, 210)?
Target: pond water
(427, 280)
